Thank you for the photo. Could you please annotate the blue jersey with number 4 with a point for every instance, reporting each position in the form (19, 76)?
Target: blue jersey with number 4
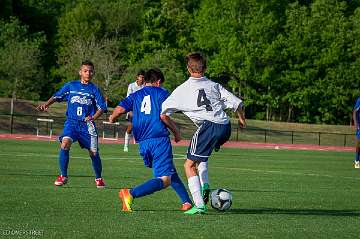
(146, 107)
(82, 99)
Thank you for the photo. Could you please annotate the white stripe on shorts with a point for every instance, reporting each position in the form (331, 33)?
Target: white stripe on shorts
(194, 141)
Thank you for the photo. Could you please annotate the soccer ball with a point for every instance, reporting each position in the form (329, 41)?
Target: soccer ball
(221, 199)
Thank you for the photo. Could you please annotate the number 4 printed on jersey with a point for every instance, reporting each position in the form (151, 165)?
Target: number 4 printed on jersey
(202, 100)
(146, 105)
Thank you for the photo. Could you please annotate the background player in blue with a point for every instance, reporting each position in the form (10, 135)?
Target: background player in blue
(85, 104)
(356, 117)
(152, 135)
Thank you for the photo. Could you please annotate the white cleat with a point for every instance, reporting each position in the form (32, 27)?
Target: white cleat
(357, 164)
(126, 148)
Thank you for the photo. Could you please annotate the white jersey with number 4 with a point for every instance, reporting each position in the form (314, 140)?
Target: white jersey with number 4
(133, 87)
(201, 99)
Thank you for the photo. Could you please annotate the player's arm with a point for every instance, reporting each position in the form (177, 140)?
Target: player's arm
(60, 95)
(172, 126)
(172, 103)
(241, 115)
(46, 105)
(119, 110)
(97, 114)
(101, 106)
(355, 118)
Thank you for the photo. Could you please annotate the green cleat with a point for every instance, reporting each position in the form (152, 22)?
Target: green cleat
(196, 210)
(205, 192)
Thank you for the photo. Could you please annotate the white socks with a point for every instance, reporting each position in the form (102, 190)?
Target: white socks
(127, 139)
(203, 173)
(194, 187)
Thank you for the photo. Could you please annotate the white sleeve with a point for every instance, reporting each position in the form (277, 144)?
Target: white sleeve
(129, 91)
(172, 103)
(229, 99)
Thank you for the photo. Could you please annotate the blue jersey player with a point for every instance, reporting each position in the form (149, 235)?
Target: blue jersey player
(356, 117)
(151, 133)
(85, 104)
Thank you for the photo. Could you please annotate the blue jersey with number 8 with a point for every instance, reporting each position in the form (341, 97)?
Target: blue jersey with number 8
(82, 99)
(146, 107)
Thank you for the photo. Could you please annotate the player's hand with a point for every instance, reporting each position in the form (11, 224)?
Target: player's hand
(242, 122)
(111, 119)
(42, 107)
(89, 118)
(177, 137)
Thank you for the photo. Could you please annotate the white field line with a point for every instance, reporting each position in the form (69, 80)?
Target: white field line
(180, 156)
(176, 156)
(289, 173)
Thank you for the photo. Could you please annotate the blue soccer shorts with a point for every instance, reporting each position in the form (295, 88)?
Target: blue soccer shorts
(157, 154)
(84, 132)
(207, 137)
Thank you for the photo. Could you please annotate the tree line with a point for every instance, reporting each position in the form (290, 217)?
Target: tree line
(295, 61)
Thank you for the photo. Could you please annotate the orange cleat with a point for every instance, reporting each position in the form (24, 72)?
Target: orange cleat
(126, 199)
(186, 206)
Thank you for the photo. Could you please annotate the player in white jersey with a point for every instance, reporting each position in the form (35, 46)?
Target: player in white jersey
(133, 87)
(204, 102)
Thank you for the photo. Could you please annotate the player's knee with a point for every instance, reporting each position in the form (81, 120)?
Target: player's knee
(92, 153)
(66, 145)
(166, 181)
(189, 164)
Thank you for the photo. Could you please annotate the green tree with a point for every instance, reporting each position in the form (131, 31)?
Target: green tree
(20, 56)
(162, 59)
(317, 60)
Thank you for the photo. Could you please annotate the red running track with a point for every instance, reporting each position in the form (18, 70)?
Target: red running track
(229, 144)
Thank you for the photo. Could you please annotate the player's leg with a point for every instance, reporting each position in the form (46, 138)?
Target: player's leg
(97, 166)
(88, 139)
(204, 181)
(155, 155)
(357, 150)
(128, 132)
(149, 187)
(194, 187)
(66, 139)
(64, 153)
(181, 191)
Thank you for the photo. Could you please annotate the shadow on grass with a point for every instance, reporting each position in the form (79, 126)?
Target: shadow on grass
(262, 191)
(43, 175)
(87, 187)
(302, 212)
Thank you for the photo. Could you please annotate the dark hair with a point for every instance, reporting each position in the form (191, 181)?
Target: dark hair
(153, 75)
(88, 63)
(196, 62)
(141, 73)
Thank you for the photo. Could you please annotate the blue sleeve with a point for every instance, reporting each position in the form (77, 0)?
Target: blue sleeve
(164, 95)
(63, 93)
(357, 104)
(100, 101)
(127, 103)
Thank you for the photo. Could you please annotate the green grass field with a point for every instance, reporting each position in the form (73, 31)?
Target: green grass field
(277, 194)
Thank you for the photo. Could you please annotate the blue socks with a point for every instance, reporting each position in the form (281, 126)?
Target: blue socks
(63, 161)
(357, 157)
(156, 184)
(96, 163)
(179, 188)
(149, 187)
